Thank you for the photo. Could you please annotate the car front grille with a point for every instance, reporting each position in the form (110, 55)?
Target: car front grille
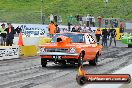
(56, 50)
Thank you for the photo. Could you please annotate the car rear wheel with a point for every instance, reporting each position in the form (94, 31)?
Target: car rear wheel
(43, 62)
(94, 61)
(80, 60)
(129, 45)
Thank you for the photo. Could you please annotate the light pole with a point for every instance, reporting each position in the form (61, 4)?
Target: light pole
(42, 17)
(106, 2)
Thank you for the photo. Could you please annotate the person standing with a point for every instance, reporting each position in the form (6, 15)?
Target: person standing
(121, 27)
(77, 18)
(18, 30)
(99, 21)
(112, 21)
(3, 34)
(59, 20)
(104, 37)
(112, 36)
(93, 21)
(108, 30)
(69, 18)
(106, 21)
(55, 18)
(88, 20)
(51, 29)
(98, 33)
(84, 29)
(115, 23)
(69, 21)
(10, 34)
(57, 28)
(69, 26)
(51, 17)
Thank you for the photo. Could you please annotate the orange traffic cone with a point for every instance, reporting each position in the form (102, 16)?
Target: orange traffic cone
(20, 40)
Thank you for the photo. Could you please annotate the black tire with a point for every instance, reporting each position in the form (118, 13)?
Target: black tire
(129, 45)
(43, 62)
(81, 80)
(80, 60)
(94, 61)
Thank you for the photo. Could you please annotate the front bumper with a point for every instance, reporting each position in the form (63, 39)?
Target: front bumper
(57, 54)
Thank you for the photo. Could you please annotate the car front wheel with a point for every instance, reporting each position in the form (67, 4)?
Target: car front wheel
(43, 62)
(94, 61)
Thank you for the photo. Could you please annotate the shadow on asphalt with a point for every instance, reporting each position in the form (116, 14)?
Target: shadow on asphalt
(70, 67)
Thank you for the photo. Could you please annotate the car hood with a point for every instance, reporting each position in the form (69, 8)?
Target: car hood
(55, 45)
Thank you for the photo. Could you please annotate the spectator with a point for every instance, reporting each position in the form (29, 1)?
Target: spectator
(121, 27)
(73, 29)
(108, 30)
(89, 29)
(115, 23)
(18, 30)
(69, 18)
(76, 28)
(57, 29)
(93, 21)
(112, 21)
(10, 34)
(79, 19)
(98, 33)
(85, 29)
(3, 35)
(65, 30)
(106, 21)
(55, 18)
(112, 36)
(88, 21)
(59, 20)
(52, 29)
(104, 37)
(51, 17)
(99, 21)
(69, 26)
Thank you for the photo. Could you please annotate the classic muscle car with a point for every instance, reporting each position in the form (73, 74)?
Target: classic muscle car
(70, 48)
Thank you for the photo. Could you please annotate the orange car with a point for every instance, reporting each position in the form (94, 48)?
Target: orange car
(70, 48)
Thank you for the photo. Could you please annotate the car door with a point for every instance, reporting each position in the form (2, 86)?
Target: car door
(90, 48)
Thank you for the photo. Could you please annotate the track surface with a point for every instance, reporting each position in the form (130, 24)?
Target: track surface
(28, 73)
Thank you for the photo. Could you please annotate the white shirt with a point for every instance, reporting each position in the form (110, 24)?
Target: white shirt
(51, 17)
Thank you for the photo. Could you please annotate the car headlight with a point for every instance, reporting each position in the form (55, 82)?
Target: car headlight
(129, 40)
(42, 50)
(72, 50)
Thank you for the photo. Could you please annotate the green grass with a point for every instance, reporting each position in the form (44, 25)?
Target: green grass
(28, 11)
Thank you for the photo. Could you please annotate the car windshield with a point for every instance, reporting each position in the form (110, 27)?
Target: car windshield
(76, 38)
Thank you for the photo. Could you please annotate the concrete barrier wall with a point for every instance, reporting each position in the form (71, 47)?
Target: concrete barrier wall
(9, 52)
(27, 51)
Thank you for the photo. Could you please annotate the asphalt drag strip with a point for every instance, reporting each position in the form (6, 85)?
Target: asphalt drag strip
(28, 73)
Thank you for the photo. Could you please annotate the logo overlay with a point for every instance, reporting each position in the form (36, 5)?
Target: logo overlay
(83, 78)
